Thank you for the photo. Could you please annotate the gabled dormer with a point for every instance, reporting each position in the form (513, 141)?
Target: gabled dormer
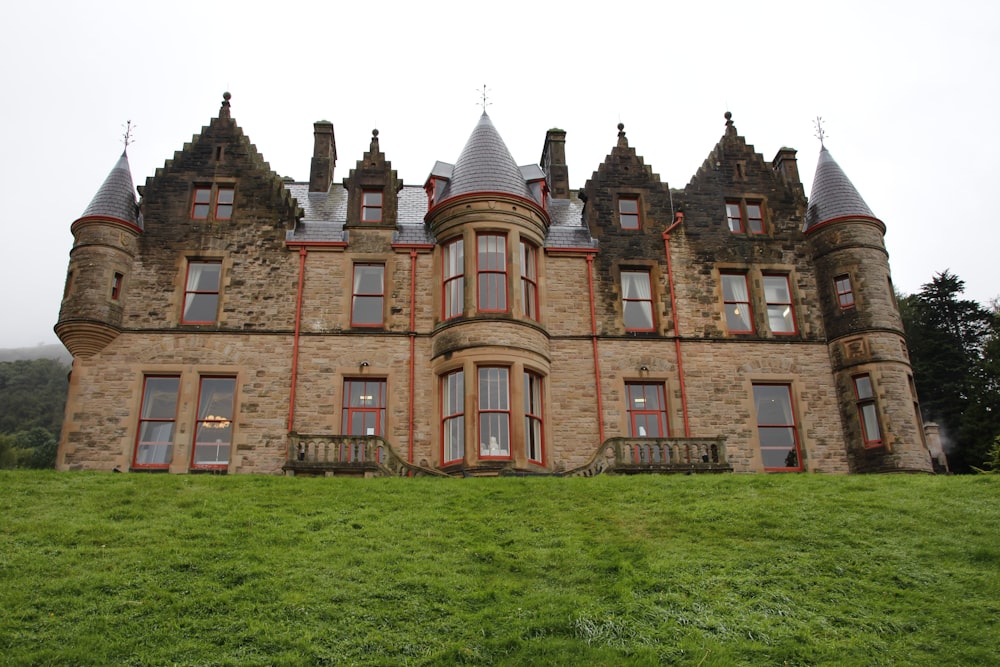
(371, 190)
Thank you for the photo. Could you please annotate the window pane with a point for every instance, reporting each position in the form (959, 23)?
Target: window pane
(637, 306)
(870, 421)
(373, 198)
(863, 385)
(453, 419)
(159, 400)
(780, 319)
(733, 217)
(213, 435)
(226, 195)
(755, 219)
(201, 308)
(779, 446)
(779, 304)
(736, 303)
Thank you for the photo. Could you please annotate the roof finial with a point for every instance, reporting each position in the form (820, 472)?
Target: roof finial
(820, 132)
(224, 110)
(127, 137)
(730, 127)
(374, 146)
(485, 103)
(622, 141)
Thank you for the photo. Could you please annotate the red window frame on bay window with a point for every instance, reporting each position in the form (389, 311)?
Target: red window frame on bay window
(494, 412)
(647, 410)
(214, 426)
(845, 292)
(534, 432)
(371, 206)
(453, 417)
(491, 273)
(529, 280)
(780, 310)
(871, 432)
(776, 427)
(154, 438)
(453, 278)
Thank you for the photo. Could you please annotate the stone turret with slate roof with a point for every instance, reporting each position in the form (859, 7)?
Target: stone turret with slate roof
(116, 197)
(833, 195)
(485, 165)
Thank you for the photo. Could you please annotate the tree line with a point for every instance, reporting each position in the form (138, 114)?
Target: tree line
(32, 400)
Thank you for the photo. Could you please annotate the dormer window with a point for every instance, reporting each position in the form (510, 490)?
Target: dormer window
(628, 212)
(371, 206)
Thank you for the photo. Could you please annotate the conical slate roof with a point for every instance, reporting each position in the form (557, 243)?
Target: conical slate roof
(486, 165)
(833, 195)
(116, 198)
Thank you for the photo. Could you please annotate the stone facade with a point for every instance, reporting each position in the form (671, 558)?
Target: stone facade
(492, 321)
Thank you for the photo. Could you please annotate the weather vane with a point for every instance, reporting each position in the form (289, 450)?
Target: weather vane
(485, 103)
(820, 132)
(127, 137)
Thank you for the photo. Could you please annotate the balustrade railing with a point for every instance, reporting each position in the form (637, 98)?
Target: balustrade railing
(354, 454)
(634, 455)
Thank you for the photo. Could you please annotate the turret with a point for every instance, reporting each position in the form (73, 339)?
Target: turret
(104, 245)
(865, 332)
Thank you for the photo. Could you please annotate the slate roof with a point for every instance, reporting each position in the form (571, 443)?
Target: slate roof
(486, 165)
(833, 195)
(567, 229)
(116, 197)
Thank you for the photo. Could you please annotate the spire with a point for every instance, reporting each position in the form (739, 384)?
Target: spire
(486, 165)
(833, 195)
(116, 197)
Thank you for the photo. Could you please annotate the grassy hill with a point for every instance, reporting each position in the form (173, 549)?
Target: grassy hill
(142, 569)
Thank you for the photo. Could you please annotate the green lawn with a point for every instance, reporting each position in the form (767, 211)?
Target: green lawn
(139, 569)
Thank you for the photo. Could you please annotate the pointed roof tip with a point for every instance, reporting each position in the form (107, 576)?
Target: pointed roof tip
(486, 165)
(116, 196)
(224, 110)
(833, 195)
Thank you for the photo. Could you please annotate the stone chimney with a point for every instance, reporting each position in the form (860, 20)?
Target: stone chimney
(785, 164)
(324, 157)
(553, 162)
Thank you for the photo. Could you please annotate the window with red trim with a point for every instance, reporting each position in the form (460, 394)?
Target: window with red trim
(776, 427)
(364, 406)
(207, 198)
(736, 303)
(845, 292)
(533, 420)
(494, 413)
(637, 301)
(867, 411)
(371, 206)
(154, 441)
(628, 212)
(116, 285)
(743, 216)
(492, 272)
(214, 428)
(647, 410)
(453, 417)
(368, 295)
(529, 280)
(453, 272)
(201, 292)
(780, 313)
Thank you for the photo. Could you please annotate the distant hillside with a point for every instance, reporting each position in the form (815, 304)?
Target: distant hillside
(54, 351)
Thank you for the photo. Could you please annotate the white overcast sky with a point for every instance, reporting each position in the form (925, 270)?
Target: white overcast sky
(908, 91)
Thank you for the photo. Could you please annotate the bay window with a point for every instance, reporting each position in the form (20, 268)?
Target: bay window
(453, 417)
(492, 272)
(453, 272)
(494, 413)
(533, 417)
(529, 280)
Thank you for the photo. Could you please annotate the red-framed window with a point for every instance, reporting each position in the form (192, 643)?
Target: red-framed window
(529, 280)
(743, 216)
(368, 295)
(776, 427)
(533, 418)
(453, 277)
(845, 292)
(780, 312)
(154, 440)
(214, 428)
(453, 417)
(637, 301)
(364, 406)
(736, 303)
(491, 268)
(224, 198)
(647, 410)
(201, 292)
(371, 206)
(494, 413)
(202, 202)
(867, 411)
(116, 285)
(628, 212)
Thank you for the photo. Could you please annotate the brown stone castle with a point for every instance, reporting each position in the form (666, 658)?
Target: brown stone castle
(490, 321)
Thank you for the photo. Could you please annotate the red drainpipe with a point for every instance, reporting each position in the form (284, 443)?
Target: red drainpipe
(593, 337)
(677, 332)
(413, 342)
(295, 345)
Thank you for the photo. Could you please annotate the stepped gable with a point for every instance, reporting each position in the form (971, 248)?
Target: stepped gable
(833, 195)
(485, 165)
(622, 156)
(116, 197)
(372, 173)
(239, 159)
(732, 160)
